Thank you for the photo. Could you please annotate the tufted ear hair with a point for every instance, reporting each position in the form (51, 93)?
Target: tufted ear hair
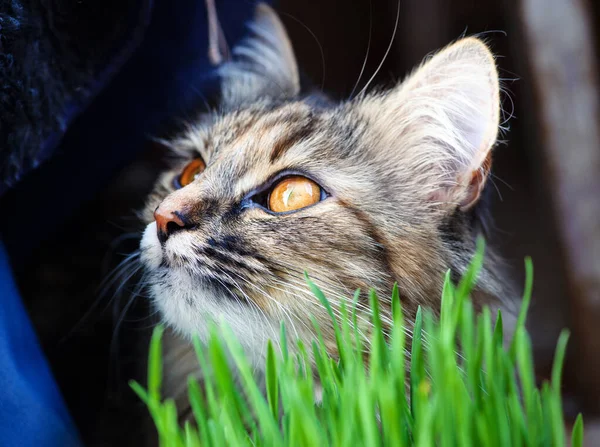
(262, 65)
(442, 121)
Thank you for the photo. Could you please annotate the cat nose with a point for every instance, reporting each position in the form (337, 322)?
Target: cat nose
(168, 222)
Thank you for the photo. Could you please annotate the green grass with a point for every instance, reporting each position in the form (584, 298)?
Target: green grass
(464, 388)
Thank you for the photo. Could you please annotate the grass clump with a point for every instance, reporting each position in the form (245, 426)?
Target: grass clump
(464, 388)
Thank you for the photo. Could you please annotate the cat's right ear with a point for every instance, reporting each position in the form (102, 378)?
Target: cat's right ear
(262, 65)
(442, 123)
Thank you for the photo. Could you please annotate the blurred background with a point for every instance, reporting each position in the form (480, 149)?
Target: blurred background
(546, 200)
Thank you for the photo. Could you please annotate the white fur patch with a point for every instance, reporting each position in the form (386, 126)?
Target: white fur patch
(188, 304)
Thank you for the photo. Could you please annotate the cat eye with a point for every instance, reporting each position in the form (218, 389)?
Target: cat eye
(190, 173)
(294, 193)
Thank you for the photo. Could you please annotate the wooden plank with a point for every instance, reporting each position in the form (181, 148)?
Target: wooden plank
(558, 42)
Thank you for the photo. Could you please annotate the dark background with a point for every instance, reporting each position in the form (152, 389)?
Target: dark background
(546, 203)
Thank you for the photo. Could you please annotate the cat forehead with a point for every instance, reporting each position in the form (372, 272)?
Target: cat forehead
(261, 140)
(264, 124)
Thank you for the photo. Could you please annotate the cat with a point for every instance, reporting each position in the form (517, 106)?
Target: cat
(380, 189)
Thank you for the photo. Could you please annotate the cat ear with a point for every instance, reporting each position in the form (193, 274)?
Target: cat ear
(445, 118)
(262, 65)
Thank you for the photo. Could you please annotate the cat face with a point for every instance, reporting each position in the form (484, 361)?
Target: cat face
(376, 190)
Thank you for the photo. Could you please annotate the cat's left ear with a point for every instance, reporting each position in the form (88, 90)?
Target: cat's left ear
(442, 122)
(262, 65)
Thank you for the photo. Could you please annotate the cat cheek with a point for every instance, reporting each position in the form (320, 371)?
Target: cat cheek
(151, 250)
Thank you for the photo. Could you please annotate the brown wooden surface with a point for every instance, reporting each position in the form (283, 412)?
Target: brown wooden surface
(558, 40)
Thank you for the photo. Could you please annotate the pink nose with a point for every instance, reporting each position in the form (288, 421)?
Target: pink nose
(167, 222)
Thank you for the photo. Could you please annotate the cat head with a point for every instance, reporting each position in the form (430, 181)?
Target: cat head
(375, 190)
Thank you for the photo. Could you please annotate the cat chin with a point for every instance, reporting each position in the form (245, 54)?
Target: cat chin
(189, 307)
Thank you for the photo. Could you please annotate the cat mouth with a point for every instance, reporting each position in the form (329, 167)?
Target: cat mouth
(150, 248)
(173, 254)
(170, 261)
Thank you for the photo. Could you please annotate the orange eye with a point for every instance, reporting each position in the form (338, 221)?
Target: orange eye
(191, 171)
(294, 193)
